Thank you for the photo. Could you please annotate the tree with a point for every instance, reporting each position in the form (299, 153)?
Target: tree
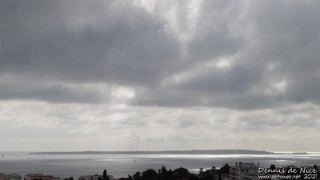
(105, 175)
(225, 169)
(315, 167)
(272, 167)
(137, 176)
(149, 174)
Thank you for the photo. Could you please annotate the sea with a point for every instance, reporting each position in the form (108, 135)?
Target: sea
(122, 165)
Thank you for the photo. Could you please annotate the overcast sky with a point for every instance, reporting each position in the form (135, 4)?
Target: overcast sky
(157, 75)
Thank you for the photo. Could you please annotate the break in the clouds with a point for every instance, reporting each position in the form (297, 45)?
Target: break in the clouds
(153, 75)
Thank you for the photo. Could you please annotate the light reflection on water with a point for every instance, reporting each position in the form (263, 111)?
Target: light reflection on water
(120, 165)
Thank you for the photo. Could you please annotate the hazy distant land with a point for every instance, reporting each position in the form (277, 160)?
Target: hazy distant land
(220, 151)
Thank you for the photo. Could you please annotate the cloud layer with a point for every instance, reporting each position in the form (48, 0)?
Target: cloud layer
(147, 72)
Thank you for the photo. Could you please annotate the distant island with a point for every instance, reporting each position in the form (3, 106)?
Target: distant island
(219, 151)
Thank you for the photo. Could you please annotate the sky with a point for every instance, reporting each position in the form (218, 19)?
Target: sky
(133, 75)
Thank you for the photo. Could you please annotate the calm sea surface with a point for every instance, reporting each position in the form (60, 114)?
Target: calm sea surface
(120, 165)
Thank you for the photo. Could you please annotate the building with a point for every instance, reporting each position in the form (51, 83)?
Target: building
(10, 176)
(224, 176)
(91, 177)
(94, 177)
(40, 177)
(244, 171)
(4, 177)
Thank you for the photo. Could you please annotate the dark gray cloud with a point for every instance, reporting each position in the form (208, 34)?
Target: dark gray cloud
(214, 32)
(112, 42)
(271, 48)
(234, 80)
(124, 45)
(51, 93)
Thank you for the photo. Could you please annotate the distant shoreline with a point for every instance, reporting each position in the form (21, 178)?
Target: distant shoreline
(227, 151)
